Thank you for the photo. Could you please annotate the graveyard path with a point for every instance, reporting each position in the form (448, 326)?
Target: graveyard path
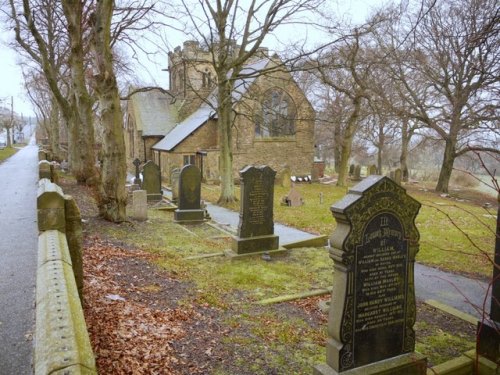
(18, 257)
(459, 292)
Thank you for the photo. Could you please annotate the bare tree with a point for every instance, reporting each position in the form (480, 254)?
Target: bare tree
(40, 35)
(346, 68)
(449, 73)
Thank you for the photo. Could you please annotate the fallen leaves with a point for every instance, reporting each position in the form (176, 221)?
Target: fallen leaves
(127, 336)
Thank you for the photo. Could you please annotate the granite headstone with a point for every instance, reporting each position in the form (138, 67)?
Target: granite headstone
(370, 324)
(256, 226)
(151, 181)
(189, 202)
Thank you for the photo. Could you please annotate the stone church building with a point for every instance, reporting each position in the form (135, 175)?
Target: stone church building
(273, 123)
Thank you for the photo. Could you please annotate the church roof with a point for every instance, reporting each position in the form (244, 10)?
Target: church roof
(155, 115)
(185, 128)
(209, 110)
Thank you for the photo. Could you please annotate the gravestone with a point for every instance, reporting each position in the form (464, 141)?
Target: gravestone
(370, 324)
(372, 170)
(189, 208)
(286, 175)
(140, 205)
(294, 199)
(137, 179)
(174, 179)
(488, 330)
(151, 181)
(357, 173)
(256, 226)
(397, 176)
(351, 169)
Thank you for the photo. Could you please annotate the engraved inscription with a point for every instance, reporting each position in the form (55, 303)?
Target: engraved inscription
(381, 289)
(258, 201)
(256, 212)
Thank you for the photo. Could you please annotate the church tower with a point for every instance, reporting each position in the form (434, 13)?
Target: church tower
(192, 75)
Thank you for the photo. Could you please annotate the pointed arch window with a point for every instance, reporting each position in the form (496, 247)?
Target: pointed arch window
(277, 115)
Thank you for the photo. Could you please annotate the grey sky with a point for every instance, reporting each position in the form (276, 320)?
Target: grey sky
(12, 82)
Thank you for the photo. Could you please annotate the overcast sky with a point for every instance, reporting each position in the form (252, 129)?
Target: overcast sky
(11, 78)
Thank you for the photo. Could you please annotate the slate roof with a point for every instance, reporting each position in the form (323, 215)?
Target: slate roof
(185, 128)
(154, 113)
(208, 110)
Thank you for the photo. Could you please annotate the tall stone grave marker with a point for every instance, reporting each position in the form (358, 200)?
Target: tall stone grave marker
(189, 207)
(372, 313)
(357, 173)
(397, 176)
(351, 169)
(137, 179)
(174, 179)
(151, 181)
(488, 343)
(286, 175)
(140, 205)
(256, 227)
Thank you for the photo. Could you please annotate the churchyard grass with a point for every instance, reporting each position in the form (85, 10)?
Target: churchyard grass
(7, 152)
(454, 236)
(235, 287)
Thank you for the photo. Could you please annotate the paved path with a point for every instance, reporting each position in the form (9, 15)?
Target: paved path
(18, 257)
(464, 294)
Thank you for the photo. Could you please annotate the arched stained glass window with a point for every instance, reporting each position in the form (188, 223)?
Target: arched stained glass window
(277, 115)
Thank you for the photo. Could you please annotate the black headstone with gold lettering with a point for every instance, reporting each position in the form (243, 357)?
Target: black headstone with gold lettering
(256, 226)
(370, 324)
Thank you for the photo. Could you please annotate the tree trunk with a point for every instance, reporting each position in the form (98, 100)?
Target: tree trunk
(405, 142)
(53, 130)
(337, 145)
(345, 154)
(113, 197)
(81, 121)
(225, 144)
(9, 141)
(380, 147)
(446, 167)
(349, 132)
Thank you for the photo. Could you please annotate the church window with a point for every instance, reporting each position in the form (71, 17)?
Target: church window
(277, 115)
(188, 159)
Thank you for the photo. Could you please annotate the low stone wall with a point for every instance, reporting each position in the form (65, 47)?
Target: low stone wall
(466, 364)
(62, 343)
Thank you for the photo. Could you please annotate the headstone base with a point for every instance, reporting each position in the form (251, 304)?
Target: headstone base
(406, 364)
(231, 254)
(189, 216)
(154, 197)
(255, 244)
(488, 343)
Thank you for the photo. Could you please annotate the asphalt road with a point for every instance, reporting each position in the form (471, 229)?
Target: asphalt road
(18, 257)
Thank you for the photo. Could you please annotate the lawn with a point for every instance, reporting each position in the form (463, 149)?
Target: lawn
(7, 152)
(148, 303)
(456, 235)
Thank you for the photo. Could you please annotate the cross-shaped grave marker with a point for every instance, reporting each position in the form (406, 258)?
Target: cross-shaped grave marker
(137, 163)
